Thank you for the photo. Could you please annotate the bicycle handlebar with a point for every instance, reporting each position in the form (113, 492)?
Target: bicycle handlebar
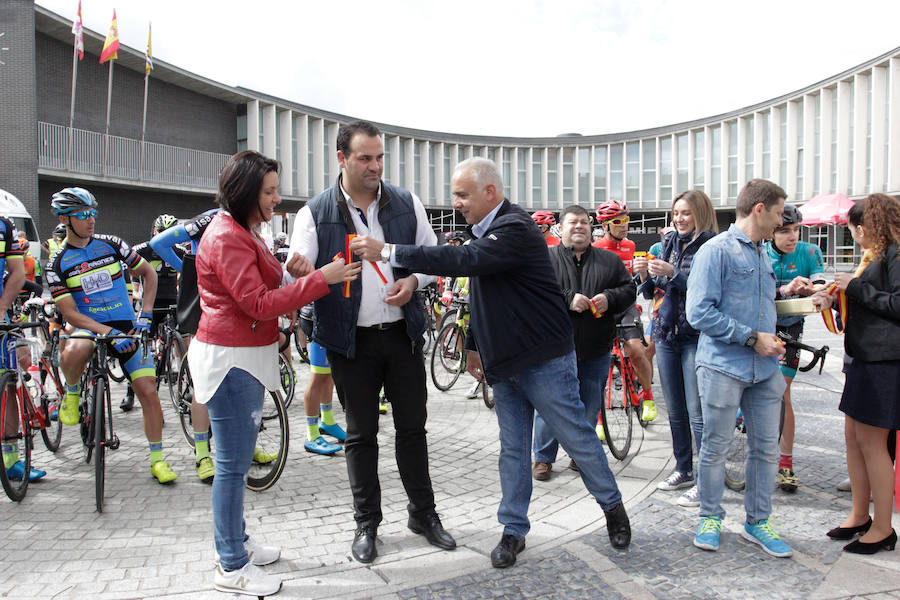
(5, 327)
(818, 353)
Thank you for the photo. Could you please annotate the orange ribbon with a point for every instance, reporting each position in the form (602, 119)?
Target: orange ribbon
(831, 324)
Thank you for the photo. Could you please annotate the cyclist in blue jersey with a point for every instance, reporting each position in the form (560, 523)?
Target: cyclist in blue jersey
(87, 283)
(12, 262)
(801, 263)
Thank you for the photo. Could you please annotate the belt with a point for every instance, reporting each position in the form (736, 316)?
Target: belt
(385, 326)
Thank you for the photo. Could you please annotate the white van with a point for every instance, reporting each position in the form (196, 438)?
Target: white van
(14, 210)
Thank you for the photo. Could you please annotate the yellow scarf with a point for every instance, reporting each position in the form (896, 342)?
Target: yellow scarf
(842, 306)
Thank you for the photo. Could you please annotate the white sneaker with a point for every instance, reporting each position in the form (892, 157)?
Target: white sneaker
(249, 579)
(690, 497)
(473, 391)
(261, 555)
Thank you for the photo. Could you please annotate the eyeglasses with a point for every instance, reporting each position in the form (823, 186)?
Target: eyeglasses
(619, 221)
(84, 215)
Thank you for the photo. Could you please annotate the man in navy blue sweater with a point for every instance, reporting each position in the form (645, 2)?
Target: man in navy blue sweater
(514, 286)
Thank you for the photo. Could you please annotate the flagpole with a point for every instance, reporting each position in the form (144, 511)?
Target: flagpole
(144, 122)
(72, 108)
(108, 104)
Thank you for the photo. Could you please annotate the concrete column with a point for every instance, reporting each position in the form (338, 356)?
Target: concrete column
(758, 136)
(690, 162)
(742, 175)
(318, 141)
(286, 177)
(793, 124)
(454, 158)
(592, 194)
(301, 133)
(893, 174)
(860, 125)
(843, 138)
(439, 175)
(809, 148)
(395, 160)
(253, 125)
(410, 183)
(826, 139)
(775, 145)
(333, 168)
(268, 127)
(879, 88)
(726, 138)
(514, 191)
(707, 163)
(529, 168)
(545, 200)
(560, 201)
(424, 189)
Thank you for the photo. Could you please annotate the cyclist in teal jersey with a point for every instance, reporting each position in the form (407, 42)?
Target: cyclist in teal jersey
(792, 260)
(87, 283)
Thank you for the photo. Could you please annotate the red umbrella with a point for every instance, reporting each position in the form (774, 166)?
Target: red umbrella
(826, 209)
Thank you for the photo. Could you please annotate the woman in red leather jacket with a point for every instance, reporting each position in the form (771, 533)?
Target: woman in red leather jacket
(233, 359)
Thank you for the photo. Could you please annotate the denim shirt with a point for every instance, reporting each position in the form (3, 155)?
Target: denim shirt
(731, 292)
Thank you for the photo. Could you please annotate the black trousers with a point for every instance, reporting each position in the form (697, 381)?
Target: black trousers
(384, 358)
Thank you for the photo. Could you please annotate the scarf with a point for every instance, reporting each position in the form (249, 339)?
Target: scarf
(836, 326)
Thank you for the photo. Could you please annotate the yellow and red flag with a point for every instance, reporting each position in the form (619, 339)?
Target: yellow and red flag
(111, 45)
(148, 58)
(78, 30)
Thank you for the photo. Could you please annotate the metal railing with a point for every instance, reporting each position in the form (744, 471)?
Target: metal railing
(93, 153)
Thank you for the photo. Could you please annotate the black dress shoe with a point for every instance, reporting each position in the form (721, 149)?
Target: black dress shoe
(858, 547)
(847, 533)
(618, 526)
(363, 547)
(504, 555)
(430, 526)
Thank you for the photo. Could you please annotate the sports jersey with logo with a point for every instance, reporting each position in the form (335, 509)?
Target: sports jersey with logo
(166, 275)
(9, 247)
(624, 249)
(93, 277)
(805, 261)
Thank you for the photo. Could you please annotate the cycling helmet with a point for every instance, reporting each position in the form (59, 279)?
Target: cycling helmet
(610, 210)
(163, 222)
(791, 215)
(281, 237)
(71, 200)
(59, 230)
(544, 217)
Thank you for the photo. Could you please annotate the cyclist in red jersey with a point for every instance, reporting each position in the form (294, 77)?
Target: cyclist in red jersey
(613, 218)
(545, 220)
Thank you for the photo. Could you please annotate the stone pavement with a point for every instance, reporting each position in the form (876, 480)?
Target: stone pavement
(153, 541)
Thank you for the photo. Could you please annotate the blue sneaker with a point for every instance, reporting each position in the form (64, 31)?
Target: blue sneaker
(334, 431)
(320, 446)
(762, 533)
(707, 537)
(16, 472)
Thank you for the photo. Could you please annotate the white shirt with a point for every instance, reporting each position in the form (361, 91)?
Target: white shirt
(372, 309)
(210, 363)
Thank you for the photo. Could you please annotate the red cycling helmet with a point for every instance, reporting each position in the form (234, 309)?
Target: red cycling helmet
(544, 217)
(610, 210)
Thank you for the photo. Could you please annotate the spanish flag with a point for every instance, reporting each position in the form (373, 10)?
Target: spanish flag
(111, 45)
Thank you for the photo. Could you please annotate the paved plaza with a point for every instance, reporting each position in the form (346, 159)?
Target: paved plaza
(155, 541)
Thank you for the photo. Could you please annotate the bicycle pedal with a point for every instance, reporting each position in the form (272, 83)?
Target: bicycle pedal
(113, 443)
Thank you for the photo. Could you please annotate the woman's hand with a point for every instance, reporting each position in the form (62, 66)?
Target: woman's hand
(842, 280)
(821, 300)
(639, 266)
(298, 266)
(660, 268)
(338, 272)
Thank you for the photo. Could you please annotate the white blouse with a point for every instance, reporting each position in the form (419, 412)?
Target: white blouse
(209, 363)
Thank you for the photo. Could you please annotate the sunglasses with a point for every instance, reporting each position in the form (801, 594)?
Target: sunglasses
(619, 221)
(84, 215)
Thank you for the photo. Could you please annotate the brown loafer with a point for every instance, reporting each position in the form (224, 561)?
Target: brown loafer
(541, 471)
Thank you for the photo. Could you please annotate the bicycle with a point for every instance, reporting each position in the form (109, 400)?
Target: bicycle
(19, 413)
(622, 396)
(273, 437)
(433, 312)
(736, 459)
(448, 361)
(168, 348)
(50, 383)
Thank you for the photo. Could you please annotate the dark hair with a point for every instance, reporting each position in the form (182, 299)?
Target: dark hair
(573, 209)
(855, 214)
(240, 182)
(346, 133)
(881, 218)
(756, 191)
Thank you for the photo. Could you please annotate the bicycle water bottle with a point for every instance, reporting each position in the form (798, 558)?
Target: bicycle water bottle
(34, 383)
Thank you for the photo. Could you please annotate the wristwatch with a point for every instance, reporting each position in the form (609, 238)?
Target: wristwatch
(751, 341)
(386, 253)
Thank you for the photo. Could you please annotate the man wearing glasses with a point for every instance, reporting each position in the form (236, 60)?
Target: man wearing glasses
(86, 281)
(613, 218)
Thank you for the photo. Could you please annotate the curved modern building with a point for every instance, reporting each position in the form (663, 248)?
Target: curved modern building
(840, 135)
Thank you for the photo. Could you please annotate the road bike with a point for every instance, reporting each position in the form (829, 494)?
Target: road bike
(168, 348)
(622, 397)
(448, 361)
(736, 459)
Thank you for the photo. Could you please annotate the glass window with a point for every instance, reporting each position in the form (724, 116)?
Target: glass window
(309, 157)
(417, 166)
(782, 126)
(683, 158)
(766, 145)
(241, 133)
(665, 169)
(387, 160)
(522, 174)
(817, 159)
(851, 145)
(447, 175)
(492, 154)
(749, 148)
(732, 160)
(295, 162)
(616, 170)
(699, 160)
(800, 148)
(568, 155)
(402, 174)
(432, 193)
(600, 164)
(869, 105)
(584, 176)
(506, 167)
(537, 160)
(648, 183)
(715, 162)
(326, 148)
(552, 172)
(632, 173)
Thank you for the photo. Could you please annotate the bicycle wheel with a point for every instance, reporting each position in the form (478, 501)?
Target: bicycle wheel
(615, 411)
(447, 359)
(272, 440)
(99, 400)
(171, 363)
(302, 352)
(736, 459)
(639, 407)
(185, 395)
(86, 414)
(287, 378)
(114, 369)
(53, 390)
(15, 430)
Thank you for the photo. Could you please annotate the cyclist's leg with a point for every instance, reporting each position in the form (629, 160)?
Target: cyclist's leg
(72, 360)
(317, 401)
(786, 478)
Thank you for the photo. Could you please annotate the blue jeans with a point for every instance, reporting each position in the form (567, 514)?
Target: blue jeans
(551, 388)
(592, 376)
(235, 411)
(678, 377)
(760, 404)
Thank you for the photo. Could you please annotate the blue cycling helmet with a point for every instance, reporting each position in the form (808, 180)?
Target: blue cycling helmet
(72, 200)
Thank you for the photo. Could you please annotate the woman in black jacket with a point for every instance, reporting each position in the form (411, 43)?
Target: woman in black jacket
(870, 402)
(676, 341)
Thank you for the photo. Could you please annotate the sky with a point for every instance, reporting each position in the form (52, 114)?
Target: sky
(522, 68)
